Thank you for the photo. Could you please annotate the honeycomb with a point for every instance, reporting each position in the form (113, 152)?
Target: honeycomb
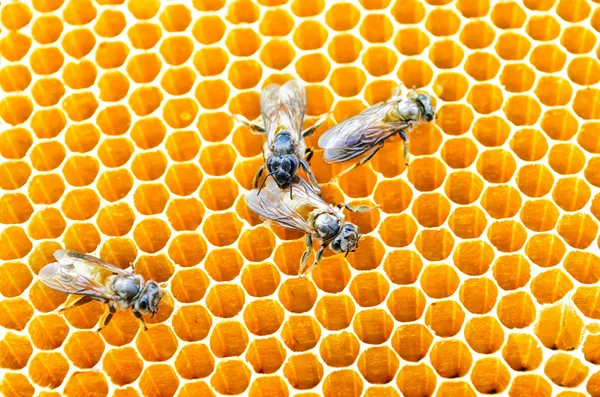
(478, 274)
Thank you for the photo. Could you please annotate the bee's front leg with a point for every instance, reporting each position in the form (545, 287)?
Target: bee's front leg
(308, 153)
(111, 312)
(254, 127)
(359, 208)
(318, 258)
(258, 175)
(311, 130)
(138, 315)
(406, 140)
(306, 254)
(311, 176)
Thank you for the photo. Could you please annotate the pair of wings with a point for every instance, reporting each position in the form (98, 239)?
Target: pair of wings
(79, 274)
(283, 105)
(273, 204)
(356, 135)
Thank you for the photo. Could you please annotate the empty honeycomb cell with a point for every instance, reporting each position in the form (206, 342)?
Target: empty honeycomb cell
(15, 208)
(426, 173)
(16, 313)
(209, 29)
(225, 300)
(530, 385)
(442, 22)
(263, 317)
(571, 194)
(258, 280)
(379, 61)
(446, 54)
(512, 47)
(82, 237)
(80, 204)
(345, 382)
(583, 266)
(379, 91)
(143, 68)
(14, 46)
(585, 299)
(276, 22)
(187, 249)
(82, 138)
(144, 35)
(113, 86)
(46, 29)
(122, 365)
(147, 133)
(501, 201)
(522, 352)
(156, 344)
(14, 243)
(451, 359)
(185, 214)
(516, 310)
(231, 377)
(508, 16)
(149, 166)
(180, 112)
(458, 153)
(403, 266)
(16, 385)
(112, 185)
(406, 304)
(490, 376)
(543, 28)
(590, 171)
(115, 152)
(398, 230)
(522, 110)
(15, 277)
(434, 244)
(178, 81)
(393, 196)
(411, 41)
(84, 349)
(376, 28)
(210, 61)
(47, 123)
(518, 77)
(15, 175)
(47, 155)
(16, 16)
(277, 54)
(378, 365)
(415, 73)
(496, 165)
(297, 295)
(212, 94)
(335, 312)
(224, 229)
(332, 275)
(565, 370)
(369, 289)
(559, 124)
(46, 60)
(242, 41)
(478, 295)
(48, 369)
(484, 334)
(370, 256)
(445, 318)
(247, 143)
(539, 215)
(109, 55)
(416, 381)
(412, 341)
(507, 236)
(110, 23)
(194, 361)
(560, 327)
(511, 272)
(587, 103)
(14, 78)
(548, 58)
(573, 11)
(373, 326)
(266, 355)
(14, 143)
(590, 349)
(244, 11)
(554, 91)
(78, 43)
(584, 71)
(45, 224)
(192, 323)
(578, 230)
(151, 235)
(439, 281)
(16, 351)
(15, 109)
(578, 39)
(551, 286)
(183, 279)
(159, 380)
(80, 106)
(180, 145)
(82, 74)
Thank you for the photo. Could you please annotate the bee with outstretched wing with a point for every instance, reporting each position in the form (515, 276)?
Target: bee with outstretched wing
(282, 109)
(94, 279)
(308, 213)
(367, 131)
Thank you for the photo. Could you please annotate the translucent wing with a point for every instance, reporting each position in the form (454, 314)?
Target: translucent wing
(356, 135)
(81, 279)
(271, 206)
(269, 107)
(292, 97)
(69, 257)
(305, 195)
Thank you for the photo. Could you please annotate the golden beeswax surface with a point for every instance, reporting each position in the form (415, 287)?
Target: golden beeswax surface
(478, 273)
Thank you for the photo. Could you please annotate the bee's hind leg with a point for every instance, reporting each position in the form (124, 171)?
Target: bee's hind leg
(405, 139)
(359, 208)
(258, 175)
(138, 315)
(311, 130)
(308, 153)
(311, 176)
(109, 316)
(79, 302)
(306, 254)
(254, 127)
(362, 161)
(315, 263)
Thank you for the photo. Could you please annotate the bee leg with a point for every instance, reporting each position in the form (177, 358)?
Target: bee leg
(365, 159)
(138, 315)
(79, 302)
(309, 152)
(258, 175)
(359, 208)
(111, 312)
(306, 254)
(311, 176)
(254, 127)
(405, 139)
(311, 130)
(315, 263)
(397, 90)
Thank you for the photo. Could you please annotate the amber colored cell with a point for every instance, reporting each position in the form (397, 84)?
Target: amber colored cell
(394, 196)
(439, 281)
(416, 381)
(403, 266)
(14, 46)
(590, 172)
(244, 11)
(263, 317)
(231, 377)
(265, 356)
(373, 326)
(303, 371)
(15, 277)
(578, 39)
(583, 266)
(482, 66)
(258, 280)
(156, 344)
(14, 143)
(522, 110)
(446, 55)
(456, 119)
(180, 185)
(578, 230)
(539, 215)
(445, 318)
(210, 61)
(411, 41)
(122, 365)
(431, 209)
(84, 349)
(16, 16)
(565, 370)
(512, 46)
(159, 380)
(434, 244)
(398, 231)
(571, 194)
(369, 289)
(194, 361)
(484, 334)
(243, 42)
(442, 22)
(378, 365)
(15, 208)
(16, 173)
(543, 28)
(507, 236)
(110, 23)
(15, 109)
(345, 382)
(342, 17)
(301, 333)
(42, 255)
(187, 249)
(548, 58)
(490, 376)
(415, 73)
(477, 34)
(192, 323)
(14, 243)
(16, 385)
(458, 153)
(376, 28)
(518, 77)
(297, 295)
(587, 103)
(522, 352)
(455, 389)
(144, 67)
(412, 341)
(451, 359)
(496, 165)
(48, 369)
(335, 312)
(16, 351)
(551, 286)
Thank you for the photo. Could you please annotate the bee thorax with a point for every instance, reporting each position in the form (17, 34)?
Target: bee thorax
(126, 287)
(407, 110)
(327, 225)
(283, 143)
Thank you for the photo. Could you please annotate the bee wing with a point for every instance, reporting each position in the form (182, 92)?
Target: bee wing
(356, 135)
(69, 257)
(65, 277)
(293, 106)
(304, 194)
(272, 206)
(269, 107)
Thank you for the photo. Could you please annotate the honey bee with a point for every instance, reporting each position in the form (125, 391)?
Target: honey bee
(308, 213)
(282, 111)
(367, 131)
(94, 279)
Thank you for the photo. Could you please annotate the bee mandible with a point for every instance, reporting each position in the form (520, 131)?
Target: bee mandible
(308, 213)
(282, 110)
(95, 279)
(367, 131)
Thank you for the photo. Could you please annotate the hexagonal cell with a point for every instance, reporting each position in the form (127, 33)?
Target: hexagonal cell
(548, 58)
(522, 110)
(80, 106)
(266, 355)
(192, 323)
(16, 313)
(180, 112)
(578, 39)
(501, 201)
(143, 68)
(512, 46)
(560, 326)
(178, 81)
(122, 365)
(406, 304)
(46, 224)
(15, 208)
(484, 334)
(194, 362)
(84, 349)
(14, 143)
(376, 28)
(416, 380)
(78, 42)
(369, 289)
(185, 214)
(339, 349)
(80, 204)
(276, 54)
(587, 103)
(403, 266)
(276, 22)
(439, 281)
(157, 344)
(109, 55)
(151, 235)
(589, 137)
(15, 109)
(451, 359)
(516, 310)
(114, 185)
(210, 61)
(263, 317)
(14, 243)
(578, 230)
(48, 369)
(82, 237)
(543, 28)
(490, 376)
(565, 370)
(583, 266)
(571, 194)
(110, 23)
(159, 379)
(258, 280)
(539, 215)
(522, 352)
(180, 286)
(231, 377)
(398, 231)
(297, 295)
(15, 277)
(545, 250)
(188, 249)
(434, 245)
(573, 12)
(507, 236)
(144, 35)
(431, 209)
(224, 229)
(511, 272)
(212, 94)
(15, 175)
(445, 318)
(346, 382)
(46, 29)
(225, 300)
(81, 138)
(176, 50)
(412, 341)
(566, 158)
(310, 35)
(46, 60)
(14, 46)
(411, 41)
(242, 42)
(415, 73)
(149, 166)
(332, 275)
(517, 77)
(458, 153)
(590, 172)
(559, 124)
(16, 351)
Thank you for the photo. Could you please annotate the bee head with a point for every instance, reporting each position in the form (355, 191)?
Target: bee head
(149, 298)
(427, 110)
(347, 240)
(282, 168)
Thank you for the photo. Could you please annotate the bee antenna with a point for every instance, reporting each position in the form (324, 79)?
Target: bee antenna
(264, 181)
